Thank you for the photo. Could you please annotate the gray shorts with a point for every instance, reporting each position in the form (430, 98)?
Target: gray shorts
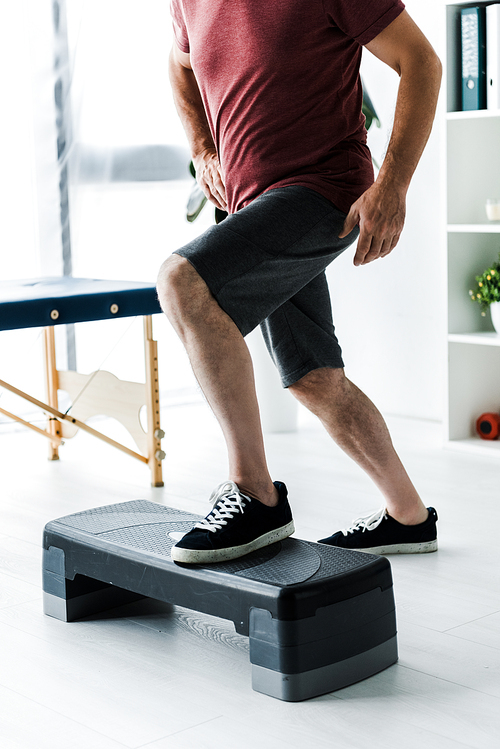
(265, 265)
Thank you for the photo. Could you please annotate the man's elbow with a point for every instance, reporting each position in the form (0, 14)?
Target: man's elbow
(435, 68)
(434, 73)
(423, 64)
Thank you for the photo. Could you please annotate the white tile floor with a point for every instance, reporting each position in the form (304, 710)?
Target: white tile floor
(150, 675)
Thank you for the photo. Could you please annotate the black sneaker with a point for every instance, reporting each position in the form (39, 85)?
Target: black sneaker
(236, 526)
(380, 534)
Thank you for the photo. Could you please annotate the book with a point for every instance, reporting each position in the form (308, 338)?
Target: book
(493, 56)
(473, 35)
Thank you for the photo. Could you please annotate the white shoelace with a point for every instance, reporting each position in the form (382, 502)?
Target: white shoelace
(366, 522)
(227, 501)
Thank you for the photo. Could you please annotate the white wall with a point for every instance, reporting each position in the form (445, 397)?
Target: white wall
(390, 314)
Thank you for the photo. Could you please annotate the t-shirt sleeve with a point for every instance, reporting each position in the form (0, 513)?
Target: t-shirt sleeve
(362, 20)
(180, 30)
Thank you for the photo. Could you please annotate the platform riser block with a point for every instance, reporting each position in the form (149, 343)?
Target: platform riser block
(89, 604)
(302, 686)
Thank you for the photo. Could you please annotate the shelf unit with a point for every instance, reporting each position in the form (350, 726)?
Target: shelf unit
(472, 242)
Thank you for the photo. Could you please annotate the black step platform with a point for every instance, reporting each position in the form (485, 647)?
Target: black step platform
(318, 618)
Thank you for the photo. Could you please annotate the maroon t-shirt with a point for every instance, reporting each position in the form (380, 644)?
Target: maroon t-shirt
(280, 84)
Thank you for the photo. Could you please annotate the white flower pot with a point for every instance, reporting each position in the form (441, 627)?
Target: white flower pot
(495, 315)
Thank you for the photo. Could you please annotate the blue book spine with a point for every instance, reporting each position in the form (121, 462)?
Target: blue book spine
(473, 31)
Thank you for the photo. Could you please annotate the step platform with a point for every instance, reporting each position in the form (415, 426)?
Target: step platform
(318, 618)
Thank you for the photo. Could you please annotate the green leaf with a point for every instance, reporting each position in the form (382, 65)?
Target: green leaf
(220, 215)
(196, 203)
(369, 110)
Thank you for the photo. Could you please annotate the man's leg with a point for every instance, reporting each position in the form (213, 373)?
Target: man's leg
(223, 367)
(358, 428)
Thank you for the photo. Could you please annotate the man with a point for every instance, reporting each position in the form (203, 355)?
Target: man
(270, 97)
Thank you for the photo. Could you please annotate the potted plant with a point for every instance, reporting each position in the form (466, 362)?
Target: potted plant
(197, 199)
(487, 293)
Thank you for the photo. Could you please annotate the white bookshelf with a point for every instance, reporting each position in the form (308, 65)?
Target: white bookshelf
(480, 114)
(472, 243)
(475, 339)
(492, 228)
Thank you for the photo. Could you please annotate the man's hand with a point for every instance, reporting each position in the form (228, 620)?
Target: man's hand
(380, 213)
(209, 177)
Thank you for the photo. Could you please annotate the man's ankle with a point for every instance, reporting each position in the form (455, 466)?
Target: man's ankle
(270, 500)
(268, 495)
(411, 518)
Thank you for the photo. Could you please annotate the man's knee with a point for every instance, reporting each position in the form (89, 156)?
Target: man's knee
(317, 382)
(178, 284)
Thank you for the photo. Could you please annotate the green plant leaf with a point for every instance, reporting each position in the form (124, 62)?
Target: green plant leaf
(487, 289)
(220, 215)
(196, 203)
(369, 110)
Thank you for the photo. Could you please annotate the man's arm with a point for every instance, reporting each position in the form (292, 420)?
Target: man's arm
(380, 211)
(190, 107)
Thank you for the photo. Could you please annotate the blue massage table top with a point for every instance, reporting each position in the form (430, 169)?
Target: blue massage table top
(39, 302)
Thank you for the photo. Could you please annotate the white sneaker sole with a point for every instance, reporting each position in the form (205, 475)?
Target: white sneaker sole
(422, 548)
(206, 556)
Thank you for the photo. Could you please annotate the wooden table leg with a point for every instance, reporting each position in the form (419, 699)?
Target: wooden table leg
(155, 433)
(51, 385)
